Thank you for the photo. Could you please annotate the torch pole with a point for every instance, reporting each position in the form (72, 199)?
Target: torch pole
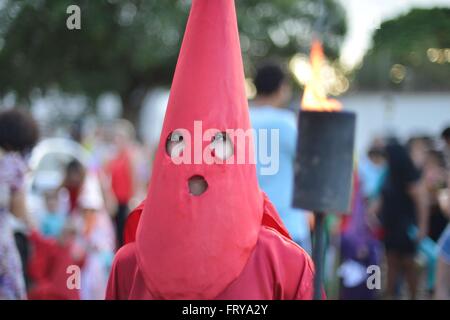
(318, 254)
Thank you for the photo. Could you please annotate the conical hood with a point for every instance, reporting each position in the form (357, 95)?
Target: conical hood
(193, 246)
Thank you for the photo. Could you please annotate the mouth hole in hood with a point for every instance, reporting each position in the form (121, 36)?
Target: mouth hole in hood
(197, 185)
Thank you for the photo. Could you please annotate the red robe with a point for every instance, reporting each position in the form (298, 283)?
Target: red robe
(277, 269)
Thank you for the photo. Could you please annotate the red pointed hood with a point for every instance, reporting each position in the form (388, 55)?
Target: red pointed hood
(193, 247)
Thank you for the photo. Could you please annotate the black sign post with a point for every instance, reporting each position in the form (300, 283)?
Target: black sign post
(323, 172)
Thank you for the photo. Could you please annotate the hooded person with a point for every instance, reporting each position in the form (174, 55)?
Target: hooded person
(206, 231)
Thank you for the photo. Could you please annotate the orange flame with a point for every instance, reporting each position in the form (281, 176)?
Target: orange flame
(314, 95)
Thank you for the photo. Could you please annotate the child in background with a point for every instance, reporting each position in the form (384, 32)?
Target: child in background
(49, 262)
(95, 234)
(53, 221)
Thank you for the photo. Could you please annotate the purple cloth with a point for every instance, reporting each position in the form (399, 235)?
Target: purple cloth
(359, 244)
(12, 286)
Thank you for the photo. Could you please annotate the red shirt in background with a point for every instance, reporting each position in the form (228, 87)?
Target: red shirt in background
(120, 171)
(47, 270)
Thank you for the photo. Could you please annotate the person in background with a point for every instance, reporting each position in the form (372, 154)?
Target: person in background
(48, 265)
(120, 170)
(403, 204)
(435, 179)
(419, 147)
(442, 289)
(18, 134)
(73, 182)
(371, 171)
(96, 239)
(268, 112)
(359, 249)
(359, 246)
(53, 221)
(426, 159)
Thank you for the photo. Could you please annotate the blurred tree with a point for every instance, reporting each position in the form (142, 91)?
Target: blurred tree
(411, 52)
(128, 46)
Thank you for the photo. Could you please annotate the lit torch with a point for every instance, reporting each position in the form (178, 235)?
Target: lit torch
(324, 163)
(315, 95)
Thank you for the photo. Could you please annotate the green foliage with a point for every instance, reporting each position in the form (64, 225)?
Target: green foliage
(128, 46)
(406, 41)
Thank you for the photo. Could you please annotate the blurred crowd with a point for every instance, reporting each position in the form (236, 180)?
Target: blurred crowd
(64, 202)
(400, 207)
(63, 206)
(402, 199)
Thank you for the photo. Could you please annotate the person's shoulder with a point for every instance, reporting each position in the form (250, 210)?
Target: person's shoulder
(269, 235)
(122, 273)
(285, 118)
(274, 243)
(127, 252)
(283, 114)
(277, 117)
(125, 264)
(259, 113)
(126, 255)
(290, 265)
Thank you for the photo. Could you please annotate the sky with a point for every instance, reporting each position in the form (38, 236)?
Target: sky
(365, 16)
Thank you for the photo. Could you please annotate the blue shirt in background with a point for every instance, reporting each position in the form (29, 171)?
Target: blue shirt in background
(279, 186)
(52, 225)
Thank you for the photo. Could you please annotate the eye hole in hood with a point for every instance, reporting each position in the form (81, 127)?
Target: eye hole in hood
(222, 146)
(175, 144)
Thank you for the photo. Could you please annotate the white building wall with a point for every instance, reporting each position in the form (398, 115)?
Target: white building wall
(397, 113)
